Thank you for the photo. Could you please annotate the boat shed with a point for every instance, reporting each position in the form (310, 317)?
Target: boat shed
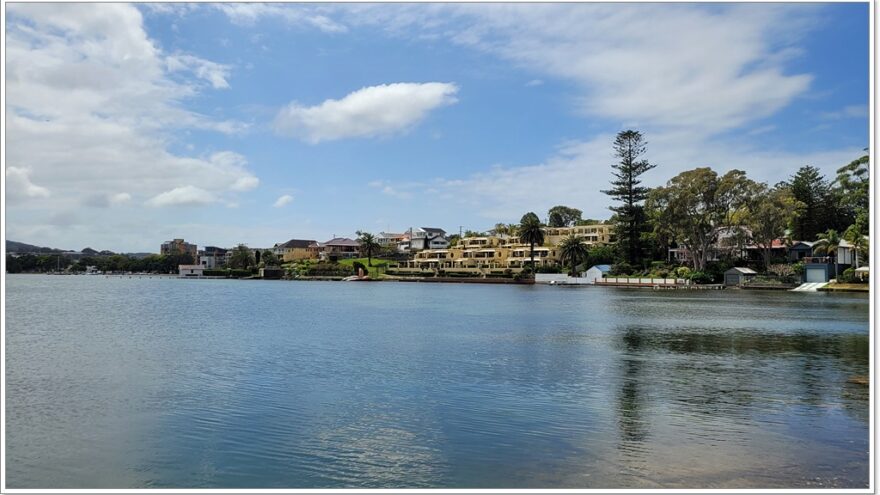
(738, 275)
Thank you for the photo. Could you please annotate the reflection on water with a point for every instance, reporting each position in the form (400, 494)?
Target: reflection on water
(132, 383)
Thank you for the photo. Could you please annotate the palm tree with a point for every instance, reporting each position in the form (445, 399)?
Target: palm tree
(572, 250)
(368, 245)
(241, 257)
(827, 244)
(858, 242)
(530, 233)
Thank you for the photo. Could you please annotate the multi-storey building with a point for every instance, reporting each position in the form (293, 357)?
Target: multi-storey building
(480, 256)
(426, 238)
(296, 249)
(212, 257)
(591, 234)
(179, 247)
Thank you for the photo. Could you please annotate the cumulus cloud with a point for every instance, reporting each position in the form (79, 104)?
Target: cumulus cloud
(182, 196)
(94, 105)
(372, 111)
(708, 68)
(19, 185)
(283, 200)
(579, 171)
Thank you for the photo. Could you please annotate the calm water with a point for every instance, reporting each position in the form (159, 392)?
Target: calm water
(129, 383)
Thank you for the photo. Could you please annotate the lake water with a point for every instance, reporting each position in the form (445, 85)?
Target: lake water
(156, 383)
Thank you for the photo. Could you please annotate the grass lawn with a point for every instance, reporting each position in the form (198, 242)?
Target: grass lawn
(379, 266)
(846, 287)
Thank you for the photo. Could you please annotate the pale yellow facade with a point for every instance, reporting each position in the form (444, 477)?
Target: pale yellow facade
(299, 254)
(591, 234)
(493, 254)
(480, 255)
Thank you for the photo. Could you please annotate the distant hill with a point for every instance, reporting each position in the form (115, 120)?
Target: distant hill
(21, 247)
(89, 251)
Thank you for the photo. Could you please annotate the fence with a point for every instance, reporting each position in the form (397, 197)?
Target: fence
(642, 281)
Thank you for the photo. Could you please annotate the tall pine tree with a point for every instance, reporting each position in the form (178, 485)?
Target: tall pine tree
(626, 188)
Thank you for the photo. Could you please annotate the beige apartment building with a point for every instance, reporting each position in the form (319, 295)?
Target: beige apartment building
(495, 255)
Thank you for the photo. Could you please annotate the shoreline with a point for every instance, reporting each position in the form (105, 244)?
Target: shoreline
(851, 288)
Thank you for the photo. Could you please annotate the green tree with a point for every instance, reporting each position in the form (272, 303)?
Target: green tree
(626, 188)
(809, 187)
(268, 258)
(241, 258)
(859, 242)
(563, 216)
(853, 184)
(695, 206)
(827, 243)
(369, 245)
(531, 233)
(768, 214)
(572, 250)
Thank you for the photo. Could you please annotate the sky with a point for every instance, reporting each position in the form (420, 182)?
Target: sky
(129, 125)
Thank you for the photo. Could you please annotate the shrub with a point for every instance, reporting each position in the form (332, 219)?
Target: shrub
(358, 264)
(848, 276)
(622, 268)
(214, 273)
(701, 278)
(683, 272)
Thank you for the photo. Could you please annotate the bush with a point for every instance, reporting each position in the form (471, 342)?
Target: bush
(548, 269)
(683, 272)
(622, 268)
(701, 278)
(848, 276)
(214, 273)
(358, 264)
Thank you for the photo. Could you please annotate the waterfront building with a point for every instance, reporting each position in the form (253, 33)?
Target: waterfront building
(296, 250)
(489, 255)
(590, 234)
(427, 238)
(846, 255)
(597, 272)
(179, 247)
(337, 248)
(391, 240)
(738, 275)
(190, 270)
(212, 257)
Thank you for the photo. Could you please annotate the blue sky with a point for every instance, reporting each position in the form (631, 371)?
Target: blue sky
(256, 123)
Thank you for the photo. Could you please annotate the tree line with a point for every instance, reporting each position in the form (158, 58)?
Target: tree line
(698, 208)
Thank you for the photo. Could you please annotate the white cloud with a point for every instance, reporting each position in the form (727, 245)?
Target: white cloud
(248, 14)
(534, 82)
(577, 173)
(372, 111)
(847, 112)
(120, 198)
(183, 196)
(709, 68)
(94, 106)
(19, 185)
(214, 73)
(283, 200)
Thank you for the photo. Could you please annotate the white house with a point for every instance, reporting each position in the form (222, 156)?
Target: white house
(596, 272)
(190, 270)
(846, 255)
(428, 238)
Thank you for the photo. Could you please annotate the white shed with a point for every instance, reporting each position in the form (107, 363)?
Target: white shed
(190, 270)
(596, 272)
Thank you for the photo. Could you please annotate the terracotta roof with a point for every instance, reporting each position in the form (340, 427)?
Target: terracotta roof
(341, 241)
(297, 243)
